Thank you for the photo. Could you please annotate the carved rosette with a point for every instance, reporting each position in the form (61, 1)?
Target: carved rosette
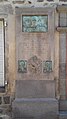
(35, 65)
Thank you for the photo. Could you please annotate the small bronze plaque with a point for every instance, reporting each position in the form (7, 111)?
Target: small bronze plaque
(22, 66)
(47, 66)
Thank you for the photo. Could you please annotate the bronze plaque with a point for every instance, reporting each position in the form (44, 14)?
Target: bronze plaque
(47, 66)
(35, 23)
(22, 66)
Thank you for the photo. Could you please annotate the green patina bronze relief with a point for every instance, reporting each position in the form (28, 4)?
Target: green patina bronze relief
(34, 65)
(22, 66)
(47, 66)
(35, 23)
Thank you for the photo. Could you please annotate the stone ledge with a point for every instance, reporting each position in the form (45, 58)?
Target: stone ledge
(33, 10)
(62, 29)
(35, 100)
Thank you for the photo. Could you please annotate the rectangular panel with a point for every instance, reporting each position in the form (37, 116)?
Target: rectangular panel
(35, 88)
(1, 53)
(35, 23)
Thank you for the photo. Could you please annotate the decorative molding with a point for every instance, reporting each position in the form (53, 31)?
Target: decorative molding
(62, 29)
(62, 8)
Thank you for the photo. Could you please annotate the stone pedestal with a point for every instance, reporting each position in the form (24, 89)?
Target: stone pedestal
(35, 99)
(42, 108)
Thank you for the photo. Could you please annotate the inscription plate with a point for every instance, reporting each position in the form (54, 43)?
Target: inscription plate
(22, 66)
(47, 66)
(35, 23)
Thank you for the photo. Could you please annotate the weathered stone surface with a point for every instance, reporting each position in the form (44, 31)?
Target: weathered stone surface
(62, 68)
(63, 105)
(63, 47)
(6, 99)
(63, 0)
(0, 100)
(6, 9)
(62, 19)
(62, 29)
(40, 0)
(35, 89)
(62, 8)
(11, 53)
(49, 0)
(4, 116)
(63, 115)
(62, 87)
(35, 108)
(62, 71)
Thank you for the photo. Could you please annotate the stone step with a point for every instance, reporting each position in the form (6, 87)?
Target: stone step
(63, 115)
(63, 105)
(37, 108)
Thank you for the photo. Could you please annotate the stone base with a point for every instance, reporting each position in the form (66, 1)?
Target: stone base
(63, 115)
(63, 105)
(37, 108)
(35, 89)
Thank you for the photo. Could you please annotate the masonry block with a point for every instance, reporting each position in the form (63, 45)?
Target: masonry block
(63, 105)
(35, 89)
(37, 108)
(63, 115)
(4, 117)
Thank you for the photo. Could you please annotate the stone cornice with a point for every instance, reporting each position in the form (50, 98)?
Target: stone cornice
(62, 8)
(32, 11)
(62, 29)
